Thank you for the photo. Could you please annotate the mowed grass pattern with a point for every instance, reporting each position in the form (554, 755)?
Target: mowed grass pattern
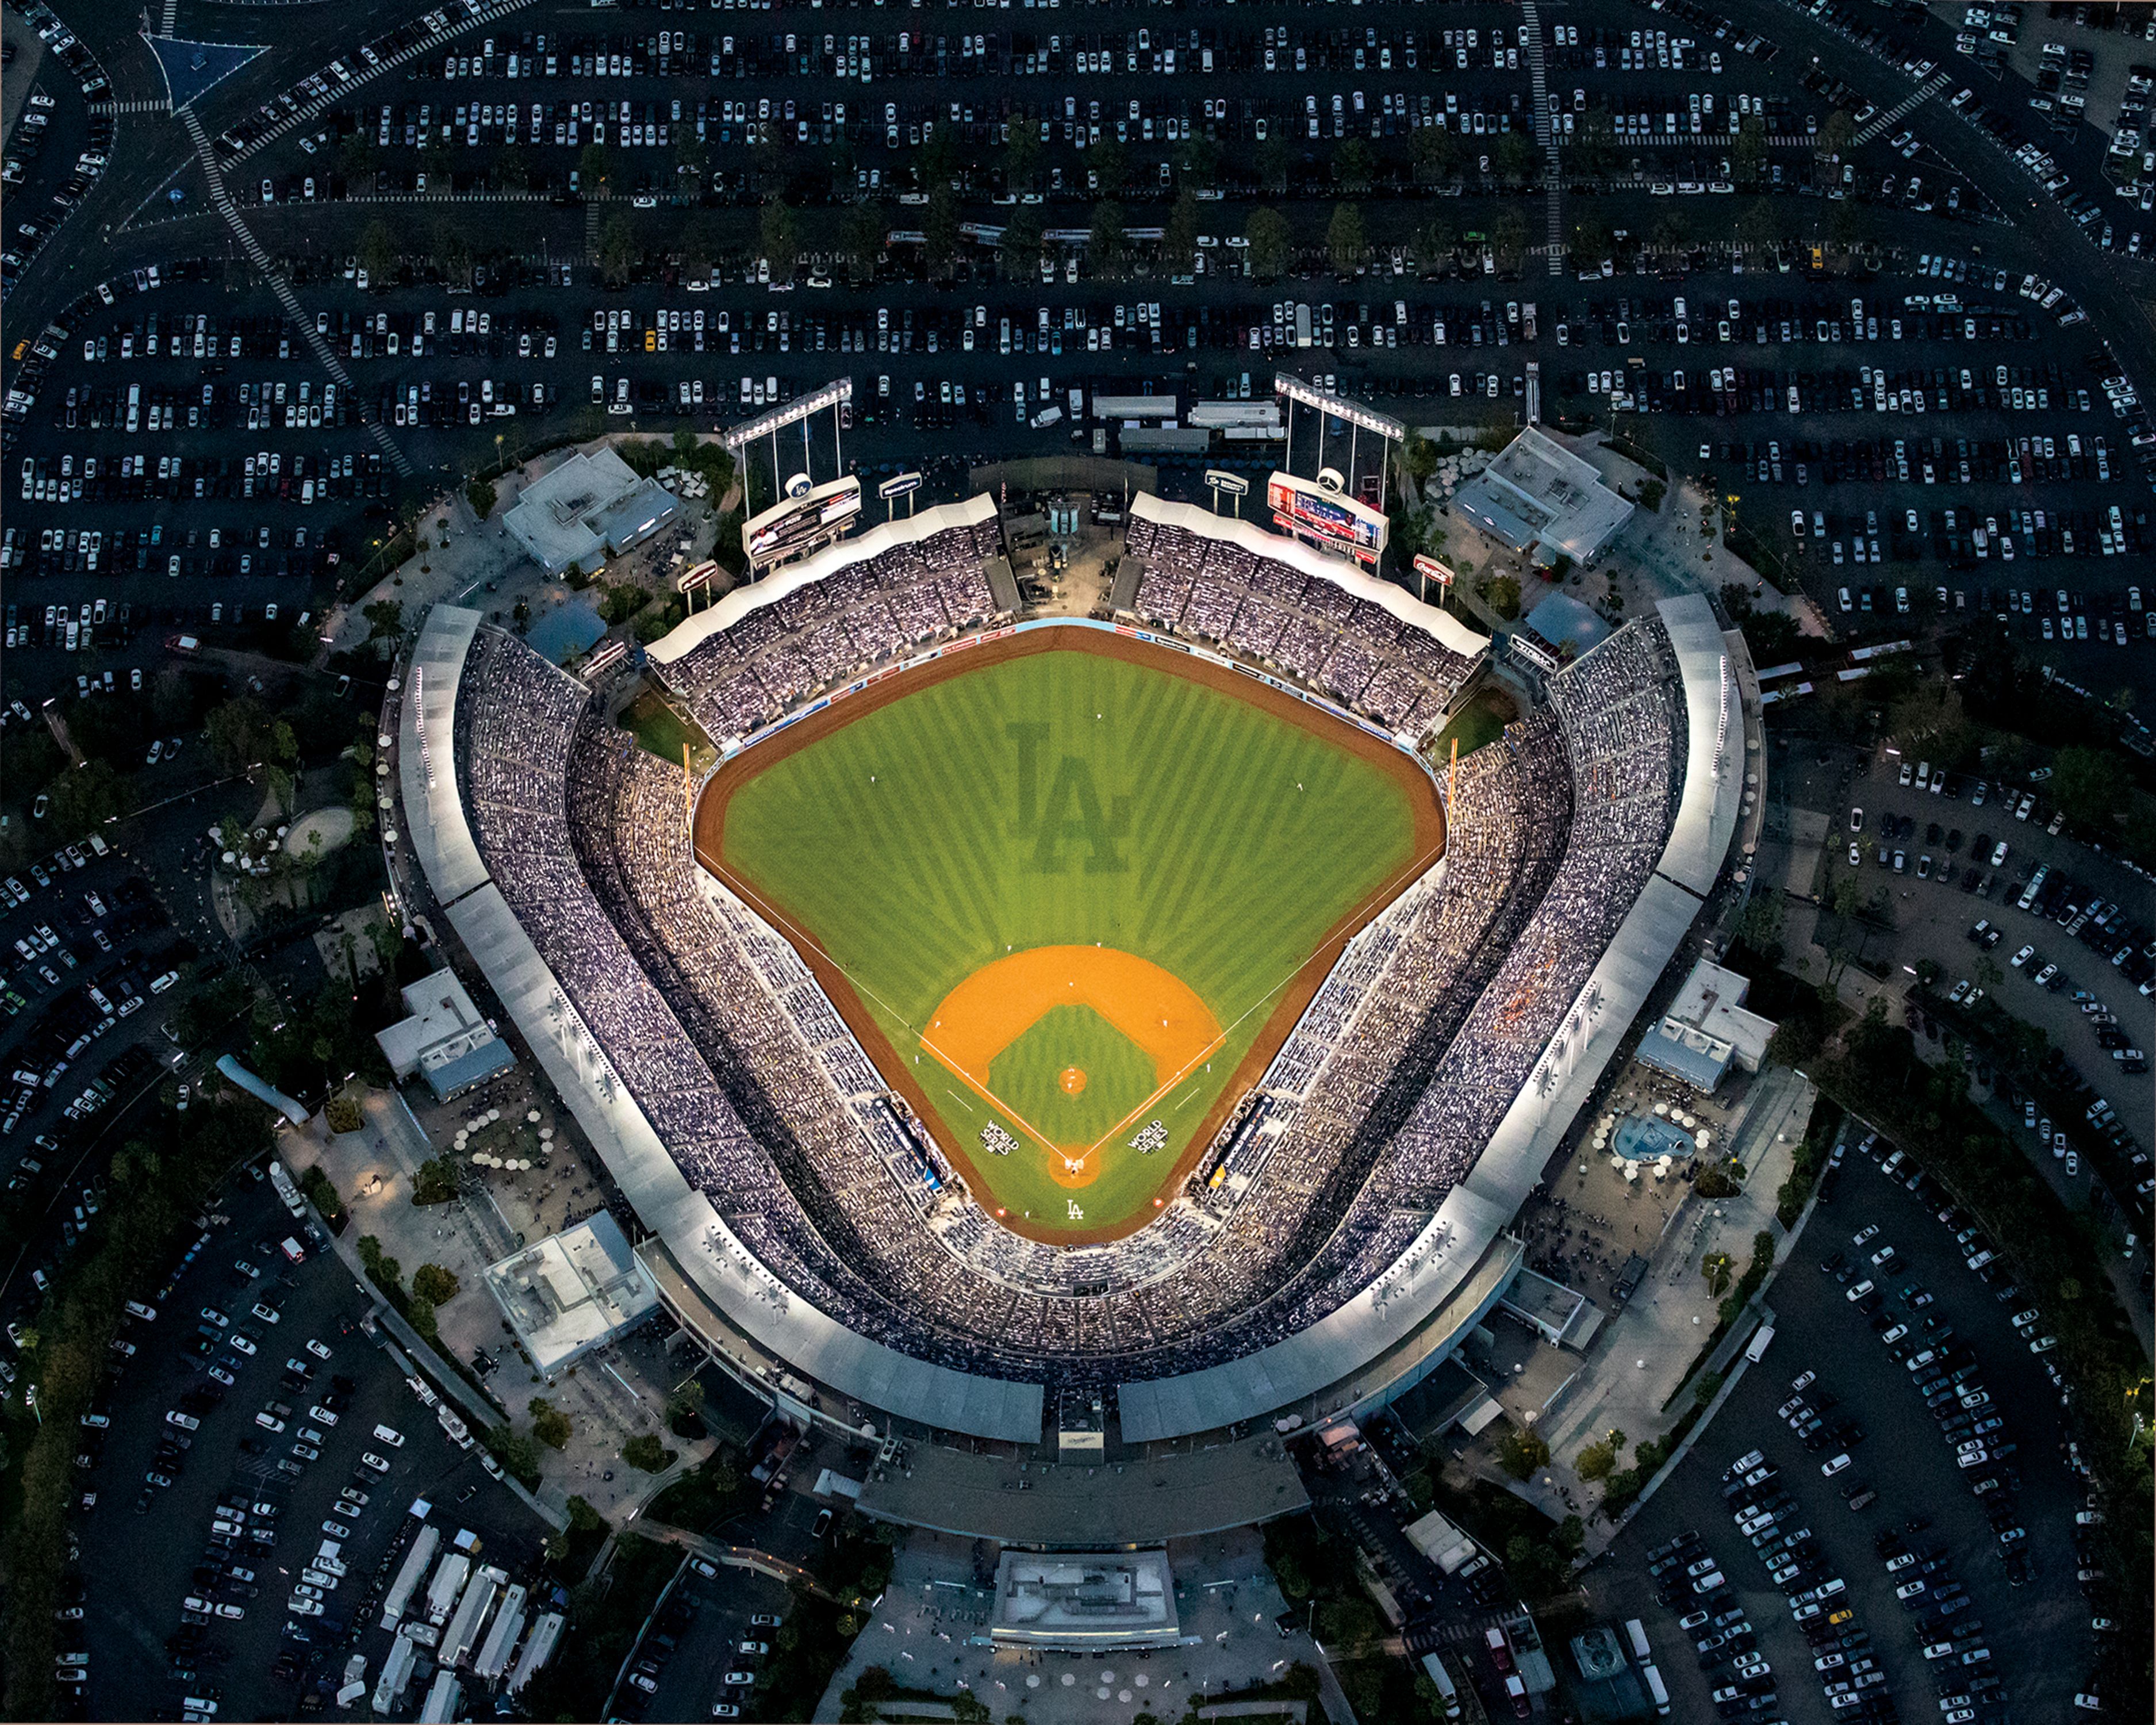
(1067, 798)
(1028, 1075)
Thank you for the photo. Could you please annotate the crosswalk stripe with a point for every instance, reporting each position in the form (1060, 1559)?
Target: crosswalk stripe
(1879, 124)
(1546, 137)
(365, 74)
(323, 354)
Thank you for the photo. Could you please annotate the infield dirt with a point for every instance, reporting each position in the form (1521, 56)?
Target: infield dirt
(1423, 846)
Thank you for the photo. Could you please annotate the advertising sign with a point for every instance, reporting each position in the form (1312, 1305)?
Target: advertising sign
(1338, 522)
(791, 526)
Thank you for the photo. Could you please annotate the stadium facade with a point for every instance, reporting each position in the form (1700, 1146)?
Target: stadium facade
(1347, 1227)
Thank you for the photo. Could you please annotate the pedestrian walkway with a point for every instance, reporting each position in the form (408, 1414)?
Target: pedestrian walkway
(1644, 1351)
(340, 91)
(325, 355)
(149, 106)
(1879, 124)
(1546, 140)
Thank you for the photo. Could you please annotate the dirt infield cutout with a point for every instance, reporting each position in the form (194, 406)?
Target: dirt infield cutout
(1000, 1002)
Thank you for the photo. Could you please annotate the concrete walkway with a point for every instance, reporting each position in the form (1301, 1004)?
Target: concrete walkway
(1641, 1357)
(609, 1397)
(1226, 1600)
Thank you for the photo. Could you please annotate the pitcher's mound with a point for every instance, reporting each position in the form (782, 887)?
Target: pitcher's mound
(1072, 1079)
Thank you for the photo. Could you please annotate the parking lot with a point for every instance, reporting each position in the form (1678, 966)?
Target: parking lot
(147, 1548)
(1933, 410)
(1984, 1585)
(715, 1612)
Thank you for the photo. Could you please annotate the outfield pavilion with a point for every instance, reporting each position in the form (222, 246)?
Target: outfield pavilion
(745, 1292)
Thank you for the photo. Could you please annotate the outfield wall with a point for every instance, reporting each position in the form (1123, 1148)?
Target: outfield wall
(1338, 1364)
(1392, 739)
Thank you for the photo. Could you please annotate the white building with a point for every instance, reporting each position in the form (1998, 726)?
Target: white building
(587, 510)
(1707, 1029)
(572, 1291)
(1538, 495)
(444, 1040)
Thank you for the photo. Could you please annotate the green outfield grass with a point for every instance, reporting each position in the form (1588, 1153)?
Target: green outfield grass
(1067, 798)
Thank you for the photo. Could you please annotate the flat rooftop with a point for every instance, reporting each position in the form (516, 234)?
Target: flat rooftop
(1103, 1598)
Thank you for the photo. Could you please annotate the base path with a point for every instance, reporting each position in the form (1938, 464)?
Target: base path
(707, 830)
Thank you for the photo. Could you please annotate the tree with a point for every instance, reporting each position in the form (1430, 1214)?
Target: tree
(1108, 167)
(1501, 592)
(582, 1518)
(1508, 240)
(1592, 238)
(645, 1453)
(1435, 241)
(1019, 250)
(1419, 457)
(1750, 154)
(453, 252)
(419, 1313)
(1021, 155)
(242, 734)
(356, 158)
(1178, 242)
(617, 247)
(775, 234)
(434, 1282)
(941, 227)
(1353, 166)
(1272, 246)
(1197, 160)
(685, 1409)
(377, 253)
(1592, 149)
(1599, 1460)
(87, 798)
(1436, 154)
(1835, 134)
(1760, 224)
(593, 166)
(1106, 241)
(1272, 159)
(1516, 156)
(2088, 783)
(1521, 1451)
(436, 1182)
(550, 1424)
(1672, 232)
(482, 496)
(860, 234)
(1345, 240)
(514, 1451)
(384, 1272)
(384, 618)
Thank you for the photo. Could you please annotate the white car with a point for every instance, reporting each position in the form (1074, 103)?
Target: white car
(317, 1348)
(370, 1460)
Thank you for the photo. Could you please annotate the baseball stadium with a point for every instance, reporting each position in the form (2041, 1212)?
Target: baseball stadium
(1094, 1021)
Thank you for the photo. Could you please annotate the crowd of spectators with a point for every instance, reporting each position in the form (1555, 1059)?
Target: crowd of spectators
(1377, 1104)
(828, 630)
(1313, 630)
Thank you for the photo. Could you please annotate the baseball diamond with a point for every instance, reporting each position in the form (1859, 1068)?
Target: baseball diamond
(1066, 887)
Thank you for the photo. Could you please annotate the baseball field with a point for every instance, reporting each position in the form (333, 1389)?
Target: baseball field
(1071, 891)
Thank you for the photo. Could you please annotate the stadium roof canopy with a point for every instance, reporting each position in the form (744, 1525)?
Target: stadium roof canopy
(1321, 1363)
(1714, 756)
(434, 823)
(723, 1270)
(685, 637)
(1276, 547)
